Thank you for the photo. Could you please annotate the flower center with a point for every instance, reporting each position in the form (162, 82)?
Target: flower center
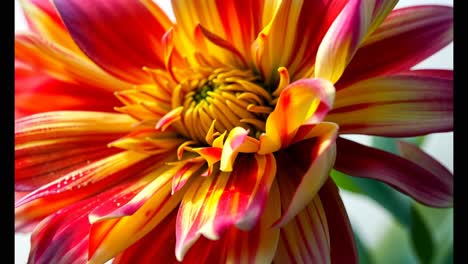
(215, 101)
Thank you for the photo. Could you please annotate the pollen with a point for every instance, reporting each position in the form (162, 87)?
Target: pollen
(223, 98)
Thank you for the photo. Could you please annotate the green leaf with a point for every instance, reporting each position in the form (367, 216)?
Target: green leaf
(345, 182)
(421, 237)
(363, 252)
(397, 204)
(394, 247)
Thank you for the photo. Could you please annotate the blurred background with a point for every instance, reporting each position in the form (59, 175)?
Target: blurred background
(389, 226)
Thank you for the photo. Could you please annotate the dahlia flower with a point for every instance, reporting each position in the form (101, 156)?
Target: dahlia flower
(210, 138)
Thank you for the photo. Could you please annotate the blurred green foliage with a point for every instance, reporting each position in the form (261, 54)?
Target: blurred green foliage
(417, 234)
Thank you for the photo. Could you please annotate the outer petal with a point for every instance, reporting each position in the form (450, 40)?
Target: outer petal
(308, 99)
(257, 245)
(215, 203)
(342, 244)
(44, 20)
(37, 92)
(63, 236)
(156, 245)
(131, 199)
(357, 19)
(60, 63)
(291, 38)
(425, 184)
(94, 177)
(302, 170)
(50, 145)
(106, 32)
(408, 104)
(405, 38)
(254, 246)
(305, 239)
(62, 124)
(109, 237)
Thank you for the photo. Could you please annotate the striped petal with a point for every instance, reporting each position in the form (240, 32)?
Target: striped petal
(62, 124)
(237, 141)
(106, 30)
(308, 99)
(354, 23)
(51, 145)
(305, 239)
(130, 200)
(110, 237)
(257, 245)
(63, 236)
(405, 38)
(216, 203)
(45, 57)
(291, 38)
(38, 92)
(235, 22)
(302, 170)
(342, 245)
(94, 177)
(429, 185)
(407, 104)
(44, 20)
(156, 245)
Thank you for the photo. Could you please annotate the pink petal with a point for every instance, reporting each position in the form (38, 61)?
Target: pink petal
(407, 104)
(120, 36)
(357, 19)
(405, 38)
(425, 184)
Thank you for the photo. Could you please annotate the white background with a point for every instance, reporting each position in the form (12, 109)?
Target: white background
(367, 217)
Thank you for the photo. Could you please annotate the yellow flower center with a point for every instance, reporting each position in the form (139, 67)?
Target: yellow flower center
(221, 99)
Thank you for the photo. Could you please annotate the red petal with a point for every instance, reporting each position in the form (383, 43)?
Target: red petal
(120, 36)
(424, 184)
(215, 203)
(342, 244)
(63, 237)
(158, 244)
(302, 170)
(305, 239)
(36, 92)
(405, 38)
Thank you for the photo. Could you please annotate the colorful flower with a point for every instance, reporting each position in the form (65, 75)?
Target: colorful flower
(211, 139)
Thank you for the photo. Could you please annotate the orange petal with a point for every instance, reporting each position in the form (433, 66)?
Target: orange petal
(308, 99)
(62, 64)
(291, 38)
